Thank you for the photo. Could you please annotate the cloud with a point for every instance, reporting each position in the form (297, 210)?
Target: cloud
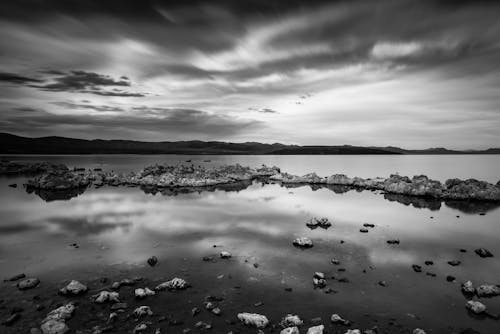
(385, 50)
(267, 111)
(17, 79)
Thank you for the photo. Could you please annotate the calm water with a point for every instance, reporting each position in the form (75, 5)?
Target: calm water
(117, 229)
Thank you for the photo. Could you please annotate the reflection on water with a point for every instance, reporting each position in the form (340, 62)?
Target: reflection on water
(256, 222)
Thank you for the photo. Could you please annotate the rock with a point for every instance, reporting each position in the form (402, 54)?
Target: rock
(291, 320)
(55, 321)
(316, 329)
(468, 288)
(225, 255)
(363, 230)
(471, 189)
(382, 283)
(454, 263)
(106, 296)
(174, 284)
(140, 328)
(58, 180)
(11, 320)
(450, 278)
(16, 277)
(482, 252)
(416, 268)
(152, 261)
(290, 330)
(488, 290)
(335, 262)
(321, 222)
(337, 319)
(353, 331)
(393, 242)
(369, 225)
(429, 263)
(216, 311)
(319, 280)
(203, 325)
(13, 185)
(28, 283)
(253, 319)
(418, 331)
(143, 293)
(142, 311)
(475, 306)
(303, 242)
(195, 311)
(112, 316)
(74, 288)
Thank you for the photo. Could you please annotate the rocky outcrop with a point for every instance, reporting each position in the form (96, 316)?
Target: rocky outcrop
(58, 181)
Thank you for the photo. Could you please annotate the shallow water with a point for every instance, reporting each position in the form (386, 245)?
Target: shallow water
(117, 229)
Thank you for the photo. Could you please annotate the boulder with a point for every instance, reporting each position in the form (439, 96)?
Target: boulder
(55, 321)
(253, 319)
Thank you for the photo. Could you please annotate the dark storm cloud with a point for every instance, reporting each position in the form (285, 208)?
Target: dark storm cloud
(17, 79)
(164, 122)
(70, 105)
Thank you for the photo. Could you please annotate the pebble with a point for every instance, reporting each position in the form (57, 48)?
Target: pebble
(482, 252)
(152, 261)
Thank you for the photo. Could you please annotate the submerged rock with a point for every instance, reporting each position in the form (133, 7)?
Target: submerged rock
(303, 242)
(253, 319)
(475, 306)
(28, 283)
(174, 284)
(74, 288)
(142, 311)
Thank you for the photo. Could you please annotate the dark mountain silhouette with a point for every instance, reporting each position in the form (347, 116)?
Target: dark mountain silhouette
(12, 144)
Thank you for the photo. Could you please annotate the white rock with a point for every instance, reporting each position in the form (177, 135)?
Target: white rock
(173, 284)
(253, 319)
(73, 288)
(419, 331)
(337, 319)
(475, 306)
(142, 311)
(225, 255)
(54, 327)
(142, 293)
(55, 321)
(290, 330)
(316, 329)
(140, 328)
(106, 296)
(291, 320)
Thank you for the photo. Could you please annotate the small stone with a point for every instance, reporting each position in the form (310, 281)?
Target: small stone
(353, 331)
(337, 319)
(369, 225)
(454, 263)
(152, 261)
(216, 311)
(225, 255)
(140, 328)
(316, 329)
(393, 242)
(28, 283)
(174, 284)
(416, 268)
(112, 316)
(106, 296)
(487, 290)
(450, 278)
(335, 262)
(291, 320)
(382, 283)
(418, 331)
(303, 242)
(462, 250)
(363, 230)
(195, 311)
(482, 252)
(475, 306)
(143, 293)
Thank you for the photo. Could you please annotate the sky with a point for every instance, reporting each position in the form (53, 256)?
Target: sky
(413, 74)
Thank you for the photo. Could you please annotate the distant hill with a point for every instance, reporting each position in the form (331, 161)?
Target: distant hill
(12, 144)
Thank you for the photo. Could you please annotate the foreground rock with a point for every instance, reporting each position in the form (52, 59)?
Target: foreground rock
(316, 329)
(475, 306)
(482, 252)
(55, 321)
(303, 242)
(291, 320)
(488, 290)
(174, 284)
(28, 283)
(253, 319)
(106, 296)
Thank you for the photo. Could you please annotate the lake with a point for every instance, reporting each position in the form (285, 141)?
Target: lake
(117, 229)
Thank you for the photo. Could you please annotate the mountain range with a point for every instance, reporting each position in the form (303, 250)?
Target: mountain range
(13, 144)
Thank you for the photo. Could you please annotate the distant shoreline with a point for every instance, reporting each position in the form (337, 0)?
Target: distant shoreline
(17, 145)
